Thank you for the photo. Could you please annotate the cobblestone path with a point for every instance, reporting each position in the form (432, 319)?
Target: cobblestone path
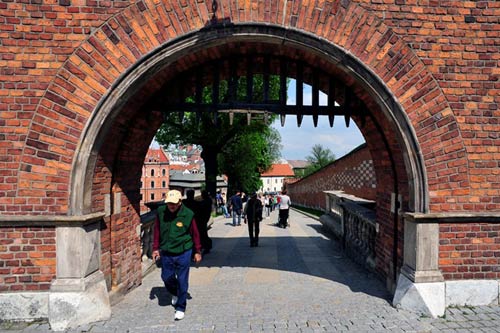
(297, 280)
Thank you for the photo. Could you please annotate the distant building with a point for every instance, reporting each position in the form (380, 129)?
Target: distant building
(184, 180)
(274, 178)
(155, 177)
(299, 167)
(179, 168)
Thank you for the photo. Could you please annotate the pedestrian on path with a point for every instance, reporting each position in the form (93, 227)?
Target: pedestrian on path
(236, 208)
(221, 205)
(284, 207)
(253, 216)
(202, 210)
(205, 212)
(176, 237)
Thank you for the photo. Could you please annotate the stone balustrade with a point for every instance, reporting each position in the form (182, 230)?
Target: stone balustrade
(352, 219)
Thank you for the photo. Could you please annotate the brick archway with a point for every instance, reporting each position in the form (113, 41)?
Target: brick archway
(61, 156)
(92, 73)
(388, 131)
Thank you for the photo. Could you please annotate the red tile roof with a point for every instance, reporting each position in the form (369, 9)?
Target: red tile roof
(156, 156)
(279, 170)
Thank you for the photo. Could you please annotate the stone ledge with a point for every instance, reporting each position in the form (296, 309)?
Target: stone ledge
(49, 220)
(24, 306)
(453, 217)
(433, 298)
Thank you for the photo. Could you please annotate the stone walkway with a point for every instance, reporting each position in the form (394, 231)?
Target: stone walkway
(297, 280)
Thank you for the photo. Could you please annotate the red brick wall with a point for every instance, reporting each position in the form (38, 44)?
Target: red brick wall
(59, 60)
(442, 59)
(469, 251)
(353, 173)
(27, 258)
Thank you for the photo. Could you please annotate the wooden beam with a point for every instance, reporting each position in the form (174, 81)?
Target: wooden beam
(315, 95)
(283, 77)
(198, 97)
(249, 79)
(215, 91)
(233, 80)
(331, 99)
(307, 110)
(299, 91)
(267, 70)
(347, 106)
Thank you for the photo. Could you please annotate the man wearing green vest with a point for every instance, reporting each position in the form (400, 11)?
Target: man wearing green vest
(176, 238)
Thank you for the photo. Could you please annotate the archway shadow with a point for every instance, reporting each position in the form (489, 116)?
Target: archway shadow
(317, 256)
(162, 295)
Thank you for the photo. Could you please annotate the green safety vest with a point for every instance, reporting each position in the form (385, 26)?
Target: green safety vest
(174, 234)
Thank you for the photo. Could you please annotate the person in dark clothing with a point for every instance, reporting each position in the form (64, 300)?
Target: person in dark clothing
(202, 211)
(202, 218)
(236, 208)
(176, 238)
(190, 203)
(253, 216)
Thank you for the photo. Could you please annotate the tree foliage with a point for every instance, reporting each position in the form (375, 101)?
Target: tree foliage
(217, 136)
(319, 158)
(247, 156)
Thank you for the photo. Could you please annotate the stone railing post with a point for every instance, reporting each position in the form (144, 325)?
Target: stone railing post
(79, 294)
(421, 286)
(421, 251)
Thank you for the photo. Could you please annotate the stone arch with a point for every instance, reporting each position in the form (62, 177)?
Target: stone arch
(84, 101)
(410, 114)
(274, 36)
(96, 71)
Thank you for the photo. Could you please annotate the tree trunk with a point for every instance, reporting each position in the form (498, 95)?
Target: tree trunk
(209, 155)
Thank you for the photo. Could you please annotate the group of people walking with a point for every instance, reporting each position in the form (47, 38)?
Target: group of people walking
(181, 234)
(252, 210)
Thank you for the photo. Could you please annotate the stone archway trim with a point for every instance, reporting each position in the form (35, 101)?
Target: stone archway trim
(123, 42)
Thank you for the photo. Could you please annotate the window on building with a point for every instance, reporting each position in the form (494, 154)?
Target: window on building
(268, 181)
(152, 196)
(152, 184)
(163, 172)
(163, 184)
(152, 172)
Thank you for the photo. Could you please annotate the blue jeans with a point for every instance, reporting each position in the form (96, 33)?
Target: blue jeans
(175, 275)
(224, 210)
(236, 214)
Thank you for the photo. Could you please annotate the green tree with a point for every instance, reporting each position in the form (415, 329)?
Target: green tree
(247, 156)
(215, 133)
(319, 158)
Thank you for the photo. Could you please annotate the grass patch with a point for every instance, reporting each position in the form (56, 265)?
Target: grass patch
(312, 211)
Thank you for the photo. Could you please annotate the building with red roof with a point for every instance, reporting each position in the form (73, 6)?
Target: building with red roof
(274, 178)
(155, 177)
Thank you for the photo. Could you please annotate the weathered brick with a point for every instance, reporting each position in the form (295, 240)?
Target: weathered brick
(442, 68)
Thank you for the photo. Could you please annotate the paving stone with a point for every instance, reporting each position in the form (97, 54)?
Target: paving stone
(297, 280)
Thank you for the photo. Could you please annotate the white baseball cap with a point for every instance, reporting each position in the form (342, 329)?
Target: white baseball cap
(173, 196)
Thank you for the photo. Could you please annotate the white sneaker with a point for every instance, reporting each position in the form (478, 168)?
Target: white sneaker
(174, 300)
(179, 315)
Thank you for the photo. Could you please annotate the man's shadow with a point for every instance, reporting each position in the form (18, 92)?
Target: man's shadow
(162, 295)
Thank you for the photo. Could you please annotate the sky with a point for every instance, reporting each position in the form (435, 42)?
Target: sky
(297, 142)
